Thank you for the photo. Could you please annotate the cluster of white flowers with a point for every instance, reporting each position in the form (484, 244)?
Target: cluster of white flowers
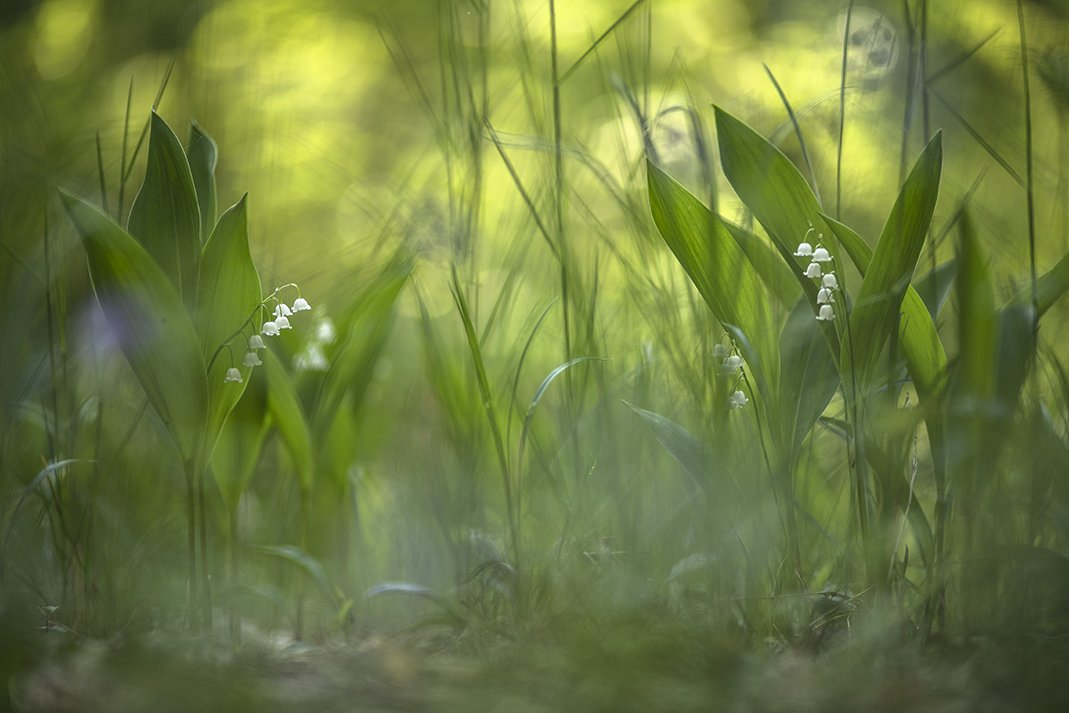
(731, 365)
(271, 328)
(829, 283)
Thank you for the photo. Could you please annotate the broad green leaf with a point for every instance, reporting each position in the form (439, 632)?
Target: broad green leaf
(203, 156)
(718, 267)
(808, 377)
(289, 418)
(240, 443)
(680, 444)
(770, 186)
(918, 339)
(165, 217)
(149, 322)
(363, 328)
(228, 293)
(877, 303)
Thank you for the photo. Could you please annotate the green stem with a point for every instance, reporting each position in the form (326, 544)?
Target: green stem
(235, 607)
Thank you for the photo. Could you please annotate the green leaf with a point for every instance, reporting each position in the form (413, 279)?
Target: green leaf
(770, 186)
(165, 218)
(240, 442)
(918, 339)
(776, 193)
(227, 295)
(718, 267)
(877, 303)
(149, 321)
(289, 418)
(775, 274)
(203, 155)
(808, 377)
(309, 565)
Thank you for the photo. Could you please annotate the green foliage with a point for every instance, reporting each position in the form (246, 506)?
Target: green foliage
(165, 217)
(878, 301)
(228, 297)
(720, 269)
(147, 315)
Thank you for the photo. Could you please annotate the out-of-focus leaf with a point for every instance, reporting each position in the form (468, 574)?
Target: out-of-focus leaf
(680, 444)
(203, 156)
(1016, 351)
(241, 440)
(309, 565)
(149, 322)
(363, 329)
(975, 368)
(878, 302)
(289, 418)
(227, 294)
(808, 377)
(934, 286)
(721, 271)
(414, 590)
(165, 217)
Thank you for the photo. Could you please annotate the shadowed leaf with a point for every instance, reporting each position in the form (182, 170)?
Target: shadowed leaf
(149, 323)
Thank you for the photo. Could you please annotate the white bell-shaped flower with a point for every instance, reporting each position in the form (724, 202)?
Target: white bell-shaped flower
(282, 322)
(325, 333)
(311, 358)
(732, 364)
(232, 375)
(270, 329)
(252, 359)
(826, 313)
(281, 310)
(256, 342)
(824, 296)
(830, 281)
(720, 351)
(821, 255)
(813, 270)
(738, 400)
(804, 250)
(301, 305)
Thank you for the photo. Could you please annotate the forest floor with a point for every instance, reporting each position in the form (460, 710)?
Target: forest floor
(639, 667)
